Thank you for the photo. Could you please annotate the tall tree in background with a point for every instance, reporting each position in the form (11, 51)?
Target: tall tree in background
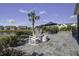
(33, 17)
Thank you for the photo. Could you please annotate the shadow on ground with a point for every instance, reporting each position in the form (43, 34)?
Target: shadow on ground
(75, 35)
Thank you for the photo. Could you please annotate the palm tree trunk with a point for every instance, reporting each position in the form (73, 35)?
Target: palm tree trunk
(33, 27)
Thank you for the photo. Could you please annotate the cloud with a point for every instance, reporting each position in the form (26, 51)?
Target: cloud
(8, 21)
(42, 12)
(12, 21)
(22, 11)
(73, 16)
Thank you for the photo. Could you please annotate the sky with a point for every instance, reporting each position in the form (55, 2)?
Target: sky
(16, 14)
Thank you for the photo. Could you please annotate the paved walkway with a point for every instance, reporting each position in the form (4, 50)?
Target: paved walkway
(60, 44)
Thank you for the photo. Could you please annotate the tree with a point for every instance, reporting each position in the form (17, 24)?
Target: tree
(32, 17)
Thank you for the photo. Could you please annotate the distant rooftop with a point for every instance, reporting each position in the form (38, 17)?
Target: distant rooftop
(49, 23)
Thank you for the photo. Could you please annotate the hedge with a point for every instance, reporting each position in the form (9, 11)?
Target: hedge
(7, 41)
(51, 29)
(68, 28)
(26, 32)
(14, 30)
(11, 40)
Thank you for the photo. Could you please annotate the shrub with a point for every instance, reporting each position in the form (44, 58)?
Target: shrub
(13, 30)
(63, 29)
(5, 43)
(54, 29)
(74, 27)
(12, 40)
(51, 29)
(8, 41)
(44, 28)
(27, 32)
(11, 52)
(69, 27)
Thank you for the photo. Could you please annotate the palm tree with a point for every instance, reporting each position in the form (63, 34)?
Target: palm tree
(32, 17)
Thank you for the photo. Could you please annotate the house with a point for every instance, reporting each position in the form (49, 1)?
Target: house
(75, 33)
(76, 12)
(10, 28)
(22, 27)
(1, 28)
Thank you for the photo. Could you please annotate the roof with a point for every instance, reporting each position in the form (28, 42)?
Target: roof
(22, 26)
(76, 9)
(10, 26)
(48, 24)
(51, 23)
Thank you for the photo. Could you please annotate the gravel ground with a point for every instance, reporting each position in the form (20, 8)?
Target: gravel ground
(60, 44)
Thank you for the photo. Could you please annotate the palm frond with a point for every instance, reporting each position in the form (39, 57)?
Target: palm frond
(37, 17)
(29, 15)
